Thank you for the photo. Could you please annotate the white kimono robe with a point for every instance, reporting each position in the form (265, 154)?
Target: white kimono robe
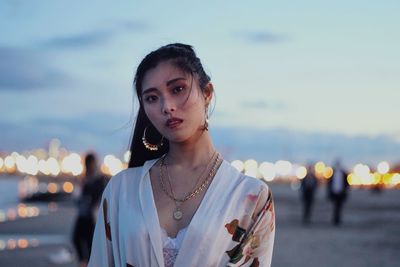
(233, 226)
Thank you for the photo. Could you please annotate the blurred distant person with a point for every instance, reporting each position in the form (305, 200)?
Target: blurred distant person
(92, 187)
(337, 188)
(308, 188)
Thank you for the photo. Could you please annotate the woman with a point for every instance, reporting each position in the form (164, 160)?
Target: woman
(88, 203)
(180, 203)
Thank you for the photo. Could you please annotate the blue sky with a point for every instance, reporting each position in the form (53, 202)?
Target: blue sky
(330, 68)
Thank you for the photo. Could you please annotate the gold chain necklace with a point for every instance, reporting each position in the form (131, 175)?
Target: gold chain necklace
(178, 214)
(198, 178)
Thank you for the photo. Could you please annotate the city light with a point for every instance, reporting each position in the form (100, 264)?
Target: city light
(127, 156)
(283, 167)
(112, 164)
(267, 170)
(53, 166)
(319, 167)
(301, 172)
(361, 170)
(72, 164)
(395, 179)
(9, 162)
(68, 187)
(251, 168)
(21, 243)
(52, 188)
(238, 164)
(383, 167)
(328, 172)
(43, 167)
(59, 162)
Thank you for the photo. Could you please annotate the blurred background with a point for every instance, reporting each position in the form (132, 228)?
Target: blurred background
(297, 84)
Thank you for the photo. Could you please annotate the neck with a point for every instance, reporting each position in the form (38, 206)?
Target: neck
(191, 153)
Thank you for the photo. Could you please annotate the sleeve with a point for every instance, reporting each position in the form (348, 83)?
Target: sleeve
(256, 242)
(261, 236)
(102, 252)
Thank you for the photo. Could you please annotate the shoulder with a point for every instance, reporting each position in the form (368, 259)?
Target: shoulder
(256, 193)
(257, 185)
(248, 183)
(121, 180)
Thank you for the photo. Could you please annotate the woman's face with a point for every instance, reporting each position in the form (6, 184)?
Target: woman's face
(173, 102)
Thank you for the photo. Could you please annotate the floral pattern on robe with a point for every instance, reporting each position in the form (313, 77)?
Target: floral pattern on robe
(252, 243)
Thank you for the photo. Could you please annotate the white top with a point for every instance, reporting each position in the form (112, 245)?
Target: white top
(233, 226)
(171, 246)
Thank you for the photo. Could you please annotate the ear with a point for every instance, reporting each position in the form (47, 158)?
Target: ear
(208, 93)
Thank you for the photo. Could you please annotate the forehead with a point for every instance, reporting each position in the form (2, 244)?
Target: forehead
(161, 74)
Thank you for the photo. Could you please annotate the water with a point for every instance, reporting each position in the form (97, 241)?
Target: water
(9, 191)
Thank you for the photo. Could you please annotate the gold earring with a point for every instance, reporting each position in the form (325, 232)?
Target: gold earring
(205, 126)
(149, 146)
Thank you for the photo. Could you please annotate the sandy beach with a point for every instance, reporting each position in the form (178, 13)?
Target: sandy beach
(369, 236)
(51, 235)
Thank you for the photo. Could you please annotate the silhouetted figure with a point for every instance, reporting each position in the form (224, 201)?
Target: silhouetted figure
(337, 188)
(88, 203)
(309, 185)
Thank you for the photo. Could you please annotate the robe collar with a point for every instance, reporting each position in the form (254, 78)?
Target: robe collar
(149, 212)
(151, 219)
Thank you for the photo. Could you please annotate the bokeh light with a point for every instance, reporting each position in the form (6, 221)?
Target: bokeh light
(53, 166)
(267, 171)
(319, 167)
(383, 167)
(127, 156)
(238, 164)
(283, 167)
(251, 168)
(301, 172)
(112, 164)
(72, 164)
(68, 187)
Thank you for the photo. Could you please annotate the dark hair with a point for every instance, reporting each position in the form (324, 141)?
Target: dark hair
(90, 158)
(180, 55)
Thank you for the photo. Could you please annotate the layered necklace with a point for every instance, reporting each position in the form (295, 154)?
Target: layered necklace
(215, 161)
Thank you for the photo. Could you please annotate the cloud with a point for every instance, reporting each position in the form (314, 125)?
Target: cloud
(106, 133)
(79, 40)
(132, 26)
(95, 37)
(261, 37)
(22, 70)
(264, 105)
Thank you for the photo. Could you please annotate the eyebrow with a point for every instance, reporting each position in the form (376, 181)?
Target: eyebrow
(148, 90)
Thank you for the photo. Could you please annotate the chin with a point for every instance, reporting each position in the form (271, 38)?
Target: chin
(177, 139)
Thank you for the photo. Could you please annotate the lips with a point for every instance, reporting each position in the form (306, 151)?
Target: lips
(173, 122)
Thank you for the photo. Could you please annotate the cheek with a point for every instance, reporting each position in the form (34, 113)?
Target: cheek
(150, 112)
(195, 103)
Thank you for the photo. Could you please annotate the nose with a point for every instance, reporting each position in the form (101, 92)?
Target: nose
(168, 106)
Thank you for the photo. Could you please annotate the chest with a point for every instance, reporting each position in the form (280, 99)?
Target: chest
(174, 215)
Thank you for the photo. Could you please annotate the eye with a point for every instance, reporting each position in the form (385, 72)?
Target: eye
(178, 89)
(150, 98)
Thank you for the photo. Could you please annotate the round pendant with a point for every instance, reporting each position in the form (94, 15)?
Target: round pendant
(178, 215)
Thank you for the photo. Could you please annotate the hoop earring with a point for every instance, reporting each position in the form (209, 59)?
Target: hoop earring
(149, 146)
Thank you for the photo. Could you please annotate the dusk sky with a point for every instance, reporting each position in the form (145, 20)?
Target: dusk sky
(300, 67)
